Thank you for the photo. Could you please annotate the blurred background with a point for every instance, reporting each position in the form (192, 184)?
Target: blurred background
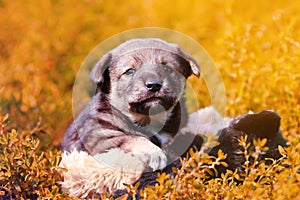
(254, 44)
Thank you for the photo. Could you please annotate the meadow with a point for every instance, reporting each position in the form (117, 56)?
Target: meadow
(254, 44)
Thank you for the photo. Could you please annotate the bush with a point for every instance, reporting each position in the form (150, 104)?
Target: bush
(29, 172)
(279, 180)
(26, 171)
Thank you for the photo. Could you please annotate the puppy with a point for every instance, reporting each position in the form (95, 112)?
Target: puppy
(139, 107)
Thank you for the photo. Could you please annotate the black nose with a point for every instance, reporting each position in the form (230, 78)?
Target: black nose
(153, 85)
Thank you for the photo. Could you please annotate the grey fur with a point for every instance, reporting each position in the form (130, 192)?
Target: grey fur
(139, 107)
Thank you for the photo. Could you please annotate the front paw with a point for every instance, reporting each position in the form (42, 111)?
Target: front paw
(154, 158)
(151, 155)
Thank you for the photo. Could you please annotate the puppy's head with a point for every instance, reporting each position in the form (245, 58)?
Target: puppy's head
(144, 76)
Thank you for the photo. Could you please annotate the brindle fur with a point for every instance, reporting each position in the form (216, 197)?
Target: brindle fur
(130, 113)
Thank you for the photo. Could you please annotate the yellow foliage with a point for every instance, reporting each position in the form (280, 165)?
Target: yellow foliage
(26, 172)
(256, 46)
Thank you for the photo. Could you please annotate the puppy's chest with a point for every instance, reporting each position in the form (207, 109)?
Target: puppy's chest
(156, 128)
(151, 122)
(162, 139)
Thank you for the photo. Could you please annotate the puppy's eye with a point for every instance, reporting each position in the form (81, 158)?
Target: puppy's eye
(129, 72)
(167, 68)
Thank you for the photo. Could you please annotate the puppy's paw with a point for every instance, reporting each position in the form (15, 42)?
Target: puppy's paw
(151, 155)
(155, 158)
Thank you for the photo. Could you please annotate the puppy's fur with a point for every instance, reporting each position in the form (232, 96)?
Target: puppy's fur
(89, 176)
(139, 107)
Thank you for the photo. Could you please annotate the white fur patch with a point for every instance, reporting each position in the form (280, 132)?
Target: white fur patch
(164, 139)
(206, 120)
(89, 175)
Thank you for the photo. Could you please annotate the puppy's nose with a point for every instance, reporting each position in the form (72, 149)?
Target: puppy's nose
(153, 85)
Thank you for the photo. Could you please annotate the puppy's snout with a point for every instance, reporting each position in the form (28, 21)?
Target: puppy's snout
(153, 85)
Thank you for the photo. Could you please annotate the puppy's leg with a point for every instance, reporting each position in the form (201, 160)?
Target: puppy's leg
(149, 153)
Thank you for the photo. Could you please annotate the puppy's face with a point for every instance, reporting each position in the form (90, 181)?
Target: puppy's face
(147, 81)
(144, 77)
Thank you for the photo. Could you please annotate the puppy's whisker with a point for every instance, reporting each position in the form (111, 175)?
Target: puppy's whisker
(143, 121)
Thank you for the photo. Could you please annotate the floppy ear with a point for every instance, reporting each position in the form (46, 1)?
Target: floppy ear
(97, 73)
(195, 67)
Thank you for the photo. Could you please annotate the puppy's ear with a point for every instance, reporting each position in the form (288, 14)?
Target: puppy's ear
(97, 74)
(195, 67)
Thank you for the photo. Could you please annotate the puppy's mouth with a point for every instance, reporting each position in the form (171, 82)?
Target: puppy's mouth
(152, 105)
